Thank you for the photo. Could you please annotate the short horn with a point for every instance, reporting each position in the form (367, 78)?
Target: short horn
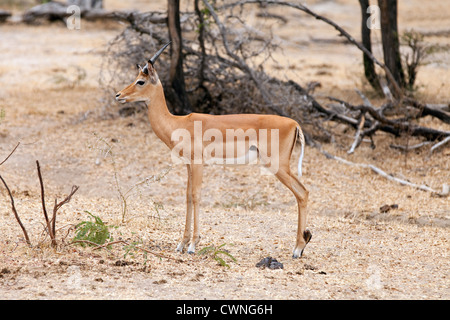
(155, 57)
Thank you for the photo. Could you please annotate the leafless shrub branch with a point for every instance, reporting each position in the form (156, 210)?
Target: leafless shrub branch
(13, 150)
(15, 212)
(51, 223)
(58, 206)
(13, 206)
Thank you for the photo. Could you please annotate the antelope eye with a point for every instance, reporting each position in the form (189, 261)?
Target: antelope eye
(140, 82)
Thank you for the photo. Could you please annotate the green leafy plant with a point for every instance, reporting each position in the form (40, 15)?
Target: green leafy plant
(93, 232)
(135, 246)
(217, 253)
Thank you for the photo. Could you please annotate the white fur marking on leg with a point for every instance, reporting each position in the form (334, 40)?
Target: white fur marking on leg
(300, 160)
(180, 247)
(191, 248)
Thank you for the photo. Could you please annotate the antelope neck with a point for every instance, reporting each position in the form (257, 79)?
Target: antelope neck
(162, 121)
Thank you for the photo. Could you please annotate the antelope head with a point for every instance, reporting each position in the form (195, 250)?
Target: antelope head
(146, 82)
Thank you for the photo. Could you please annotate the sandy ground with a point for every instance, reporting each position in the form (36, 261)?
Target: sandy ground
(54, 107)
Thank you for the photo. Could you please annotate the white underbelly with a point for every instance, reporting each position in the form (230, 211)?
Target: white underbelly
(250, 157)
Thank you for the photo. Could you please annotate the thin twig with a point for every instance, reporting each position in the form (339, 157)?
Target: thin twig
(50, 230)
(10, 154)
(59, 205)
(15, 212)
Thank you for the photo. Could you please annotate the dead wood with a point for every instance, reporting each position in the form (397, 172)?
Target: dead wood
(13, 150)
(57, 11)
(51, 223)
(394, 126)
(409, 148)
(358, 134)
(44, 209)
(47, 11)
(439, 144)
(58, 206)
(439, 111)
(13, 207)
(381, 173)
(4, 15)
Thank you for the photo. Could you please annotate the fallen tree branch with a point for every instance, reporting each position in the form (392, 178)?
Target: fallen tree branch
(53, 11)
(316, 105)
(380, 172)
(395, 126)
(409, 148)
(439, 144)
(437, 111)
(358, 135)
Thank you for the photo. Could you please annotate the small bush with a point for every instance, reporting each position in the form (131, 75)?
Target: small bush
(96, 232)
(216, 253)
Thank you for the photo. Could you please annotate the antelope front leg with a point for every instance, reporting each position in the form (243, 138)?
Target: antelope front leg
(197, 176)
(187, 229)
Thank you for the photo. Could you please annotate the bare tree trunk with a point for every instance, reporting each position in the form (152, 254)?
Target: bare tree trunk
(389, 37)
(176, 94)
(369, 66)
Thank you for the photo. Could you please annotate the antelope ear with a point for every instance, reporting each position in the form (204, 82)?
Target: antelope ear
(138, 66)
(145, 69)
(151, 72)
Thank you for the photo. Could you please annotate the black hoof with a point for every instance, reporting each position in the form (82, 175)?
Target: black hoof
(307, 235)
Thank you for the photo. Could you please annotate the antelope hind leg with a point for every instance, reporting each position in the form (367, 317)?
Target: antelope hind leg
(298, 251)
